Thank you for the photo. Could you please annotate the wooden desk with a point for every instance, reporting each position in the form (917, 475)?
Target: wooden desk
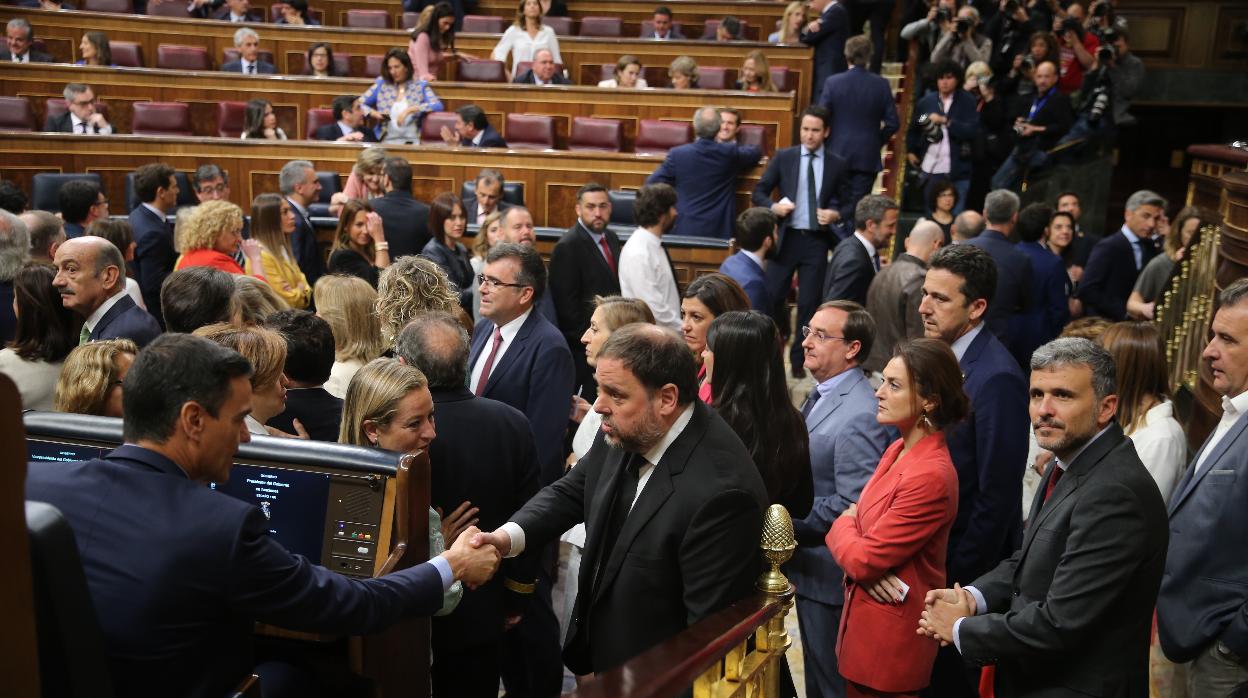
(292, 96)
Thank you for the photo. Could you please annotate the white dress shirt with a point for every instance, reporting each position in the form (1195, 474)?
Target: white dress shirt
(509, 332)
(521, 46)
(1135, 247)
(105, 130)
(1162, 447)
(645, 274)
(869, 247)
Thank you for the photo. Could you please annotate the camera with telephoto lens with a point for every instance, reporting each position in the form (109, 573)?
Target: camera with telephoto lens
(932, 132)
(943, 15)
(962, 26)
(1106, 54)
(1072, 24)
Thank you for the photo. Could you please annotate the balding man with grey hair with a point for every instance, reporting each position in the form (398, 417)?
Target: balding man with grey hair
(967, 226)
(247, 41)
(704, 174)
(14, 253)
(895, 292)
(1117, 260)
(47, 232)
(1015, 295)
(299, 185)
(91, 278)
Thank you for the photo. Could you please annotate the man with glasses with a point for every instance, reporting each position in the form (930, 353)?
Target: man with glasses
(82, 203)
(846, 443)
(82, 117)
(211, 183)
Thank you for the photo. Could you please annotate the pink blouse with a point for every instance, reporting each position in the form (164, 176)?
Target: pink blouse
(424, 57)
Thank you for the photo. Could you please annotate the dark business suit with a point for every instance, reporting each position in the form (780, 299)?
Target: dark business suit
(685, 550)
(850, 272)
(863, 118)
(473, 211)
(75, 230)
(741, 268)
(126, 320)
(405, 222)
(154, 255)
(1050, 307)
(498, 475)
(528, 78)
(138, 519)
(223, 14)
(262, 67)
(1014, 294)
(332, 132)
(489, 139)
(303, 241)
(579, 272)
(704, 174)
(35, 56)
(672, 33)
(829, 44)
(1110, 275)
(1056, 115)
(1070, 612)
(319, 412)
(64, 123)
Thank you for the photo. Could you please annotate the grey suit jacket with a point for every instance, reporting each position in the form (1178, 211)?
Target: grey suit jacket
(1070, 613)
(1203, 591)
(893, 300)
(846, 443)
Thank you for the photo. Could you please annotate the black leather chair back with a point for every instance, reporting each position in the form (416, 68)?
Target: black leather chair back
(622, 206)
(186, 193)
(513, 192)
(46, 187)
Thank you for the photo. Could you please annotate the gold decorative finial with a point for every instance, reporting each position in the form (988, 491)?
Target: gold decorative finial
(778, 545)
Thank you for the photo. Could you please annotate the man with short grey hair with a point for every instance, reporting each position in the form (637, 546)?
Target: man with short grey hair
(81, 117)
(704, 174)
(14, 253)
(91, 278)
(967, 226)
(247, 41)
(19, 37)
(894, 295)
(1014, 294)
(1117, 260)
(299, 184)
(856, 259)
(47, 232)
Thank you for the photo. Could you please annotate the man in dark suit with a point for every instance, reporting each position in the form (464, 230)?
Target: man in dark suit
(1070, 612)
(236, 11)
(496, 476)
(857, 258)
(1117, 260)
(827, 33)
(990, 448)
(664, 29)
(82, 203)
(864, 117)
(1040, 123)
(247, 42)
(472, 130)
(348, 125)
(704, 174)
(19, 38)
(519, 358)
(1202, 617)
(811, 223)
(92, 282)
(756, 243)
(894, 295)
(671, 500)
(154, 255)
(299, 184)
(955, 116)
(1014, 294)
(309, 359)
(1050, 308)
(405, 220)
(201, 567)
(583, 265)
(81, 116)
(487, 196)
(542, 72)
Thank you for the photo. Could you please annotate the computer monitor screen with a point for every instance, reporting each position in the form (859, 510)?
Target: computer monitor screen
(58, 452)
(293, 501)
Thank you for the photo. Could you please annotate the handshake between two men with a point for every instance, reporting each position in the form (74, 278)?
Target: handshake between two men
(471, 562)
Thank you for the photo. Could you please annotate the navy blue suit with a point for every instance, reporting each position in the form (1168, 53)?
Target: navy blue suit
(864, 117)
(1014, 282)
(753, 279)
(332, 132)
(963, 128)
(262, 67)
(179, 574)
(307, 252)
(829, 45)
(1051, 310)
(154, 256)
(75, 230)
(489, 139)
(850, 272)
(319, 412)
(125, 319)
(1110, 275)
(704, 174)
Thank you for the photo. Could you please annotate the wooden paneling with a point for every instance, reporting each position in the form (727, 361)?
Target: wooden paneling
(1196, 34)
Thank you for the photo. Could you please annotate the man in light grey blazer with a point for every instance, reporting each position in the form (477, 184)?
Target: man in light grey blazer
(1202, 610)
(846, 443)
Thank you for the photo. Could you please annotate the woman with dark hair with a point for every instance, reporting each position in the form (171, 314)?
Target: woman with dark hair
(260, 123)
(1060, 239)
(627, 73)
(272, 224)
(526, 35)
(433, 40)
(942, 199)
(893, 550)
(46, 332)
(360, 247)
(447, 223)
(295, 12)
(95, 50)
(320, 61)
(708, 297)
(400, 99)
(745, 366)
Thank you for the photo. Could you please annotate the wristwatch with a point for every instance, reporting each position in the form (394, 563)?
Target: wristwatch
(1227, 653)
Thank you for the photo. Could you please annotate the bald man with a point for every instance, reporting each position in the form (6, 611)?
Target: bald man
(968, 225)
(91, 278)
(895, 292)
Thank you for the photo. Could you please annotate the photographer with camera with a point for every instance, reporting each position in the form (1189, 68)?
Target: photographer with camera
(1126, 74)
(1102, 21)
(939, 140)
(1009, 29)
(928, 30)
(961, 42)
(1077, 46)
(1039, 123)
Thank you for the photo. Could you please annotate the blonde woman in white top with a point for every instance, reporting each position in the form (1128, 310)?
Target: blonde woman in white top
(523, 38)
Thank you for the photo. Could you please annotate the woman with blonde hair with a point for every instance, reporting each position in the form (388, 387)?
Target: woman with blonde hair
(272, 224)
(91, 378)
(360, 247)
(254, 301)
(683, 72)
(409, 286)
(347, 304)
(526, 35)
(755, 73)
(210, 235)
(366, 181)
(488, 235)
(266, 350)
(791, 24)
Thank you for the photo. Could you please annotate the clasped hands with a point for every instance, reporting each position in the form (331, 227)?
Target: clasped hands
(943, 608)
(472, 564)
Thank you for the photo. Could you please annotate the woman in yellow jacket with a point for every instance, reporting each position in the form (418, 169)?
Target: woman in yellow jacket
(272, 223)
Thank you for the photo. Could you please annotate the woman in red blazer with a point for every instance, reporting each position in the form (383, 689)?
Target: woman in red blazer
(891, 544)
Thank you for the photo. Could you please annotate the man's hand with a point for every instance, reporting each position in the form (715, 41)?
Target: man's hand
(510, 622)
(912, 159)
(449, 136)
(474, 565)
(352, 137)
(458, 521)
(827, 216)
(500, 540)
(936, 118)
(782, 209)
(814, 26)
(886, 589)
(851, 511)
(943, 608)
(1042, 461)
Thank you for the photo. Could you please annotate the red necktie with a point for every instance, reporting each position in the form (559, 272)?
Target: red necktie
(1057, 475)
(489, 360)
(606, 251)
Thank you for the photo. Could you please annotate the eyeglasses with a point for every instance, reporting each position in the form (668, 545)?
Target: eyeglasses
(489, 281)
(219, 188)
(819, 335)
(103, 202)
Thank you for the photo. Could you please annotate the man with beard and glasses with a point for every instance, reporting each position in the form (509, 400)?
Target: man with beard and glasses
(672, 503)
(1071, 611)
(756, 243)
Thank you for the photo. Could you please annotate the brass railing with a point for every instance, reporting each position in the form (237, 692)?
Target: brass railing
(1186, 309)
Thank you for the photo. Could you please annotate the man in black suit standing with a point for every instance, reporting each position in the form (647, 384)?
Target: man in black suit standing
(81, 117)
(19, 36)
(671, 500)
(299, 184)
(487, 196)
(827, 33)
(1117, 260)
(247, 41)
(813, 184)
(1071, 611)
(154, 255)
(857, 258)
(584, 264)
(309, 359)
(472, 130)
(542, 72)
(348, 126)
(405, 220)
(1014, 295)
(91, 279)
(495, 477)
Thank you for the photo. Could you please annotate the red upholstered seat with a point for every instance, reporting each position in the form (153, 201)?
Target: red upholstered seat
(372, 65)
(230, 119)
(431, 128)
(785, 80)
(601, 135)
(561, 25)
(230, 55)
(647, 28)
(530, 132)
(368, 19)
(483, 24)
(602, 26)
(16, 115)
(126, 54)
(173, 56)
(122, 6)
(712, 77)
(482, 71)
(318, 118)
(655, 136)
(161, 119)
(755, 135)
(342, 64)
(168, 9)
